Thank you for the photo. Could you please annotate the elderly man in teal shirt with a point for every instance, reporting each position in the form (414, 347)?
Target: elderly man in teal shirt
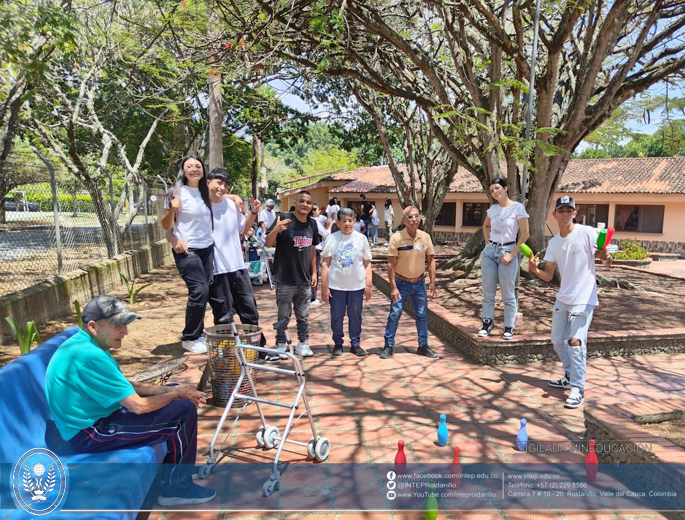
(97, 409)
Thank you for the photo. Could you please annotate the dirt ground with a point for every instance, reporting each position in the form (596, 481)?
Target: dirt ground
(674, 431)
(656, 304)
(153, 339)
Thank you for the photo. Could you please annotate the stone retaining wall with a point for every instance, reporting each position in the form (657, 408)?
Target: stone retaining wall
(532, 348)
(53, 298)
(646, 461)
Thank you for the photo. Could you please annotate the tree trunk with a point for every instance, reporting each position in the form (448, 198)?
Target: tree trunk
(104, 214)
(215, 114)
(256, 166)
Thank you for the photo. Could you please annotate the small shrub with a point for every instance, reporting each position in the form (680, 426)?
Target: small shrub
(632, 250)
(24, 338)
(132, 294)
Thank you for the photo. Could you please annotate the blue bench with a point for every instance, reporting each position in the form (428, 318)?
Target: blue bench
(110, 482)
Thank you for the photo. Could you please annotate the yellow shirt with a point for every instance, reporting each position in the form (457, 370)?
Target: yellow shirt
(410, 252)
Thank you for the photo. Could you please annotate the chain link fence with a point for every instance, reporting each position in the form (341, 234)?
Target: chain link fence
(40, 239)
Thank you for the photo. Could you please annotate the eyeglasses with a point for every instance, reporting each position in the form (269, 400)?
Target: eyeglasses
(413, 217)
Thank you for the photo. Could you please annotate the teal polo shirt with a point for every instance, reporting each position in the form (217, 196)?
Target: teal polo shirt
(83, 384)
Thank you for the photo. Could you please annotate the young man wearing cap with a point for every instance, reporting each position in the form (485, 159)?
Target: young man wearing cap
(408, 253)
(267, 216)
(573, 251)
(97, 409)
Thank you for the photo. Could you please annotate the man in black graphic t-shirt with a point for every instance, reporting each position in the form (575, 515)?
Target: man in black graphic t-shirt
(294, 234)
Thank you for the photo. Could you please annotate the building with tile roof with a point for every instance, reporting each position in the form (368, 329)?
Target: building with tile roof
(643, 198)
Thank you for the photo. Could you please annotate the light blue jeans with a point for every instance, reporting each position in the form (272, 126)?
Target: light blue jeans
(374, 234)
(493, 271)
(569, 322)
(419, 299)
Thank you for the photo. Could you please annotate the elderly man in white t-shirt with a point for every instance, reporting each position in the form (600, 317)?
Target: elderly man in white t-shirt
(573, 250)
(267, 216)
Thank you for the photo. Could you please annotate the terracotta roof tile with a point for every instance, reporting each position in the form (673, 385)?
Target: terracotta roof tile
(632, 175)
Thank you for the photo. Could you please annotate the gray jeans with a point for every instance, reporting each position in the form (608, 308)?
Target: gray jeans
(298, 296)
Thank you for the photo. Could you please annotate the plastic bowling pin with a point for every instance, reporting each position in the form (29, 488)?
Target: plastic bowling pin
(591, 463)
(442, 431)
(522, 437)
(400, 459)
(604, 238)
(527, 251)
(430, 508)
(455, 470)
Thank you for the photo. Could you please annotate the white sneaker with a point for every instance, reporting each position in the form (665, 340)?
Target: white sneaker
(575, 398)
(303, 350)
(195, 346)
(314, 303)
(281, 349)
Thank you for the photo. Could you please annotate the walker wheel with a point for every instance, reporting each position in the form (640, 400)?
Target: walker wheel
(205, 471)
(310, 449)
(269, 487)
(270, 437)
(260, 436)
(322, 449)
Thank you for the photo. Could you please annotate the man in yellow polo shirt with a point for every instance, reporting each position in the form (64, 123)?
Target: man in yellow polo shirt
(407, 255)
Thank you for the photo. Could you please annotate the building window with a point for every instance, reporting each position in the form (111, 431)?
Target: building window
(591, 214)
(447, 215)
(474, 213)
(639, 219)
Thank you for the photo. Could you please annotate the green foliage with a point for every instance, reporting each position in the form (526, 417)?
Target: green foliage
(79, 317)
(25, 338)
(132, 293)
(632, 250)
(328, 158)
(44, 199)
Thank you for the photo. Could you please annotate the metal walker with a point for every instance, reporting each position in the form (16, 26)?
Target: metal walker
(318, 448)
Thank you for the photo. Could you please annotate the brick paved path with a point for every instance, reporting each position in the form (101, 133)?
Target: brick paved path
(365, 405)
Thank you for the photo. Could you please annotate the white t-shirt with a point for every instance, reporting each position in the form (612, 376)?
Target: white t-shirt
(347, 254)
(268, 217)
(323, 232)
(193, 221)
(389, 214)
(374, 217)
(332, 211)
(358, 226)
(504, 222)
(228, 223)
(575, 257)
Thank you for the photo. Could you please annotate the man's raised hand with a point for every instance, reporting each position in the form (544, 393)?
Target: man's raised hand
(281, 225)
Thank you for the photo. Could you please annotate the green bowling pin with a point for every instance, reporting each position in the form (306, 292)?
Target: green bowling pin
(430, 508)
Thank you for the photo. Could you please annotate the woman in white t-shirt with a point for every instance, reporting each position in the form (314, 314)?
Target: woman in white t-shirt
(505, 229)
(389, 218)
(346, 280)
(375, 222)
(189, 211)
(332, 209)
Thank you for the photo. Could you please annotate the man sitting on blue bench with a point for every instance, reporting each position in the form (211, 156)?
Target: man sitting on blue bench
(97, 409)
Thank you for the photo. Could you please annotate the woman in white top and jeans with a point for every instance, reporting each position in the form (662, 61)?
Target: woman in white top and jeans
(389, 217)
(506, 220)
(189, 212)
(346, 280)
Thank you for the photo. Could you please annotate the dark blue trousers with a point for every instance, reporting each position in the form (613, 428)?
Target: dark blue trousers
(175, 424)
(350, 303)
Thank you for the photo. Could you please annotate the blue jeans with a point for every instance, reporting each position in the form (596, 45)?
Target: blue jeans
(493, 271)
(367, 225)
(374, 233)
(350, 303)
(572, 322)
(417, 292)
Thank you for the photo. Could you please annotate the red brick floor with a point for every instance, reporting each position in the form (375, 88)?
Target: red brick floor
(365, 405)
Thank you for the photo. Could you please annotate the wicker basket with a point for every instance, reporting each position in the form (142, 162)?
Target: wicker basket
(223, 365)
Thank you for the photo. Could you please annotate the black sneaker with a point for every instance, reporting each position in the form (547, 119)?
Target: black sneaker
(508, 333)
(561, 383)
(357, 351)
(425, 350)
(575, 398)
(337, 350)
(267, 357)
(485, 329)
(385, 353)
(194, 495)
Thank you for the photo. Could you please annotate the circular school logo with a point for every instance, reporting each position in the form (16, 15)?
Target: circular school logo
(39, 482)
